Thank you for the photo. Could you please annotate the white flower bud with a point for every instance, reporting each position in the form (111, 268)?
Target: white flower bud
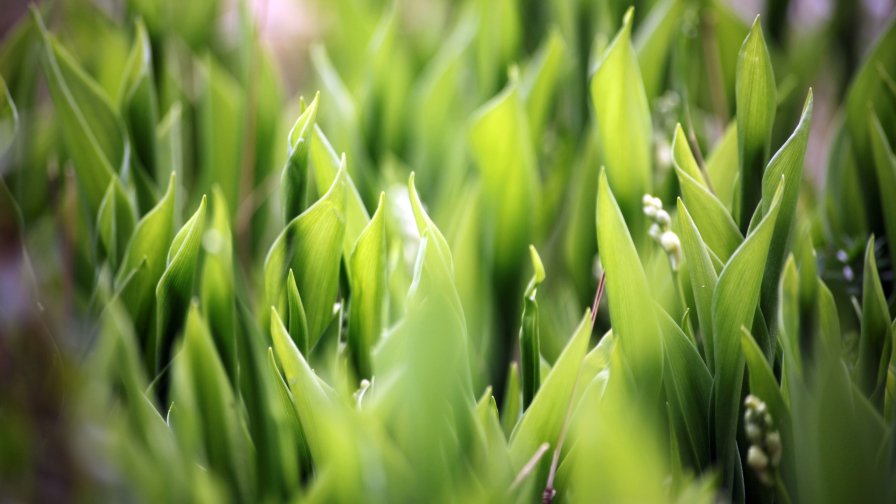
(662, 218)
(650, 211)
(655, 232)
(647, 200)
(773, 445)
(756, 458)
(670, 242)
(754, 433)
(658, 203)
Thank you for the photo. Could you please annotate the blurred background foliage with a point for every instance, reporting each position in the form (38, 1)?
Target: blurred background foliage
(173, 170)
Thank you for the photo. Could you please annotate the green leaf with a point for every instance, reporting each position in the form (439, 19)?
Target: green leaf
(530, 353)
(326, 166)
(175, 288)
(93, 132)
(624, 125)
(756, 97)
(722, 167)
(885, 165)
(503, 150)
(9, 118)
(367, 278)
(875, 340)
(787, 163)
(149, 243)
(546, 416)
(216, 288)
(710, 216)
(734, 304)
(629, 295)
(688, 387)
(310, 245)
(294, 178)
(297, 320)
(208, 407)
(653, 41)
(703, 278)
(512, 407)
(540, 79)
(115, 222)
(139, 104)
(788, 318)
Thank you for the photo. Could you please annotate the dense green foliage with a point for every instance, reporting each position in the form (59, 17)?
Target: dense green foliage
(380, 292)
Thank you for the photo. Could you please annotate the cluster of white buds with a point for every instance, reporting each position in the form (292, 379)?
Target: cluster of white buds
(661, 229)
(764, 455)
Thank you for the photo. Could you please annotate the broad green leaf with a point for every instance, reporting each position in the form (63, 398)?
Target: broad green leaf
(722, 167)
(540, 79)
(9, 118)
(624, 126)
(292, 415)
(175, 288)
(885, 165)
(139, 105)
(546, 416)
(115, 222)
(788, 318)
(310, 245)
(875, 340)
(688, 387)
(497, 41)
(787, 163)
(734, 304)
(710, 215)
(92, 130)
(294, 178)
(503, 150)
(703, 278)
(756, 97)
(216, 288)
(530, 353)
(203, 396)
(653, 42)
(629, 295)
(148, 244)
(367, 278)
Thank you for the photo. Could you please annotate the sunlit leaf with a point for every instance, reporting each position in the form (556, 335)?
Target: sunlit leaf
(368, 284)
(295, 175)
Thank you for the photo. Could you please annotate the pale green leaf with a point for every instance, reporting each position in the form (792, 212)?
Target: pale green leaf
(367, 278)
(295, 175)
(703, 278)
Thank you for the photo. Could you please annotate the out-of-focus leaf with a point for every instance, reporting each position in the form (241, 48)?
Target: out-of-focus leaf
(624, 126)
(216, 284)
(513, 400)
(710, 216)
(367, 278)
(788, 318)
(115, 222)
(544, 419)
(540, 79)
(787, 163)
(149, 243)
(722, 167)
(688, 388)
(497, 40)
(310, 245)
(885, 165)
(703, 278)
(734, 304)
(139, 106)
(502, 147)
(294, 179)
(756, 97)
(629, 296)
(93, 132)
(208, 407)
(221, 130)
(653, 41)
(875, 340)
(530, 353)
(9, 118)
(297, 320)
(175, 288)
